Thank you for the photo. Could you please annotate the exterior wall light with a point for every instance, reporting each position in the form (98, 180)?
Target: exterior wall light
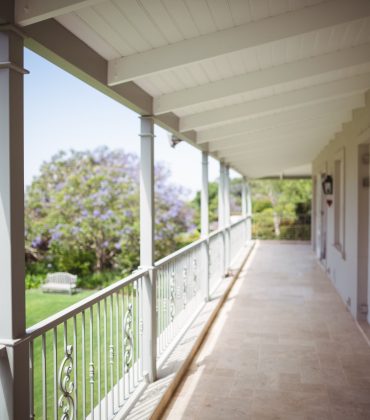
(327, 185)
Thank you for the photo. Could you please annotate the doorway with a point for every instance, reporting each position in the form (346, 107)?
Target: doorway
(323, 224)
(363, 249)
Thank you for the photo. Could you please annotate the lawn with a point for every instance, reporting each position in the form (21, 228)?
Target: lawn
(41, 305)
(89, 341)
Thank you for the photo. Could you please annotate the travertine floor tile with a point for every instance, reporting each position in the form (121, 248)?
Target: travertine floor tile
(284, 347)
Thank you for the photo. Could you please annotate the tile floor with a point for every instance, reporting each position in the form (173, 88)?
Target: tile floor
(283, 347)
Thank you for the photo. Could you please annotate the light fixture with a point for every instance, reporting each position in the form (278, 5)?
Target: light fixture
(327, 185)
(174, 141)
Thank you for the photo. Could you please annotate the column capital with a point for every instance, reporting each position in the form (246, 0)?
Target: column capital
(147, 126)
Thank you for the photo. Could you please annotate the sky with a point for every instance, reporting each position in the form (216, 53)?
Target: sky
(63, 113)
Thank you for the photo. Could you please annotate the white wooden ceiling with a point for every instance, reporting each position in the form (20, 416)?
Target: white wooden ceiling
(265, 84)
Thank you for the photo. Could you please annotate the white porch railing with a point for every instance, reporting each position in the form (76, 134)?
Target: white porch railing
(216, 258)
(179, 292)
(237, 235)
(89, 360)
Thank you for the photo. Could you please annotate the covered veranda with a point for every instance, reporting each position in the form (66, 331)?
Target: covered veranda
(262, 86)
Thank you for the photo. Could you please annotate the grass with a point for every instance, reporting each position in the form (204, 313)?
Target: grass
(42, 305)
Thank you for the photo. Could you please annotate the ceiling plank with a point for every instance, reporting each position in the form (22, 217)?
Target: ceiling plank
(241, 37)
(288, 72)
(294, 99)
(237, 142)
(28, 12)
(308, 113)
(313, 138)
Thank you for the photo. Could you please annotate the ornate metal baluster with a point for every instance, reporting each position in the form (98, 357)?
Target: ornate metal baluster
(185, 286)
(44, 383)
(111, 353)
(55, 374)
(105, 359)
(83, 370)
(136, 306)
(99, 357)
(141, 325)
(117, 349)
(75, 364)
(66, 385)
(128, 343)
(31, 361)
(121, 339)
(195, 276)
(91, 364)
(172, 297)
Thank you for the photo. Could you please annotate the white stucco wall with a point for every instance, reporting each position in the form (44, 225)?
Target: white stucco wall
(343, 267)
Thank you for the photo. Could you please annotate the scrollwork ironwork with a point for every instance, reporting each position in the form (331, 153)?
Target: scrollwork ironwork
(128, 341)
(66, 385)
(92, 373)
(172, 296)
(185, 286)
(111, 354)
(195, 276)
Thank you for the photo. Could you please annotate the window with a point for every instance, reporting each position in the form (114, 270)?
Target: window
(339, 216)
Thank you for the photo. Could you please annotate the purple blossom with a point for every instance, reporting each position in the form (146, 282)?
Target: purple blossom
(96, 213)
(59, 186)
(105, 244)
(84, 213)
(127, 230)
(56, 235)
(36, 242)
(128, 213)
(117, 246)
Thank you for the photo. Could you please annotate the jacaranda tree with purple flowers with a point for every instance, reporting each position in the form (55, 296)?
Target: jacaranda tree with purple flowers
(82, 214)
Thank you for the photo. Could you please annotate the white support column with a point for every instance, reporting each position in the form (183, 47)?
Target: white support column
(204, 217)
(249, 213)
(227, 217)
(221, 201)
(204, 221)
(147, 220)
(14, 366)
(244, 197)
(244, 208)
(222, 216)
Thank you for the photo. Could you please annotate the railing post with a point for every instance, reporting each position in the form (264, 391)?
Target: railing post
(147, 245)
(14, 366)
(204, 221)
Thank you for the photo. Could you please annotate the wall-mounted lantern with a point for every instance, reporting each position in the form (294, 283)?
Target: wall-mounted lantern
(327, 185)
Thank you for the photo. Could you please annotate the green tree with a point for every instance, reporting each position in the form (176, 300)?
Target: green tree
(82, 213)
(278, 200)
(235, 201)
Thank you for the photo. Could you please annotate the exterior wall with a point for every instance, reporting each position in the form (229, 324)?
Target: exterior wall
(344, 266)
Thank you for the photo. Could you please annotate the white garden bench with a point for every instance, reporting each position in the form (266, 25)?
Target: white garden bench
(60, 282)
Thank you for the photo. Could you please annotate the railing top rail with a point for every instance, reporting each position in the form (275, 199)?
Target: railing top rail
(237, 222)
(54, 320)
(214, 233)
(179, 252)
